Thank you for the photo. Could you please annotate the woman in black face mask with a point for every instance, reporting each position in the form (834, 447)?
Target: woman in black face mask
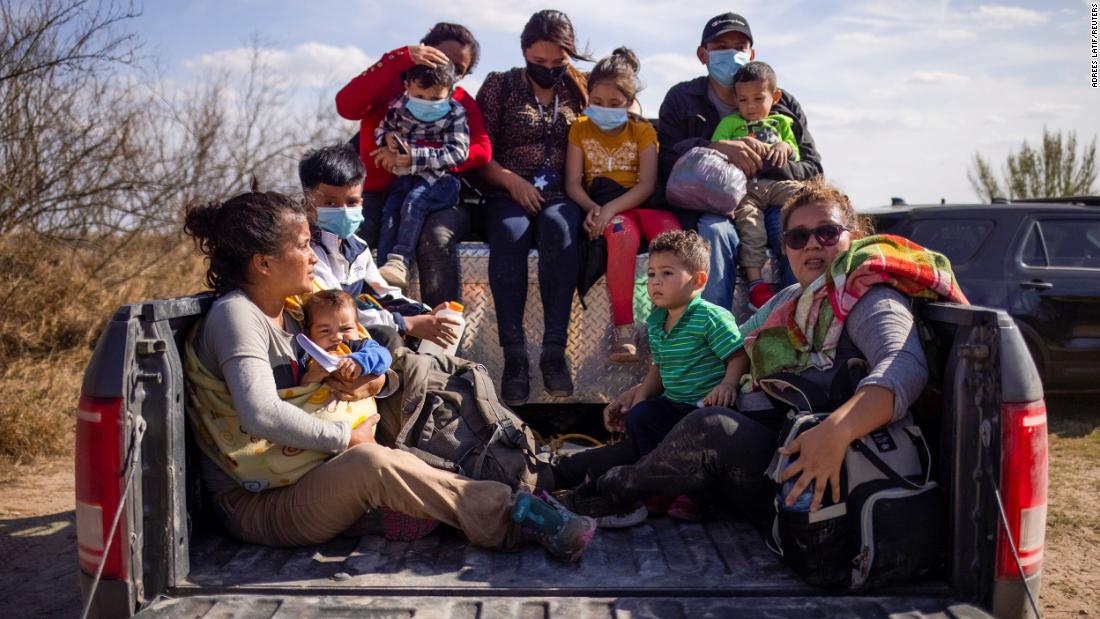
(527, 112)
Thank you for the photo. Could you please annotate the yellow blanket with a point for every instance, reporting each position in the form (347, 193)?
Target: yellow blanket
(257, 463)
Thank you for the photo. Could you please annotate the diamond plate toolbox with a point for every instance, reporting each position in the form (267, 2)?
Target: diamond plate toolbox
(595, 378)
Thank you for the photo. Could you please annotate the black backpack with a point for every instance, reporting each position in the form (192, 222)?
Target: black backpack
(890, 524)
(452, 419)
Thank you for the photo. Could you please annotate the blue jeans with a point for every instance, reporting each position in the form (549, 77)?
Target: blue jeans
(722, 235)
(651, 420)
(437, 251)
(409, 203)
(437, 255)
(720, 231)
(774, 225)
(512, 233)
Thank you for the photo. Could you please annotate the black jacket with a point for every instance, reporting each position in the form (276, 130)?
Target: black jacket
(688, 119)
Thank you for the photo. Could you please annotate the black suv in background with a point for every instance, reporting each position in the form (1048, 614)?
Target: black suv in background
(1037, 259)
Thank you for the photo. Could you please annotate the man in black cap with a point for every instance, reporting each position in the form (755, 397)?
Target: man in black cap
(689, 114)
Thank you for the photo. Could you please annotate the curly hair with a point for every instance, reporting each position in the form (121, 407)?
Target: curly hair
(229, 233)
(688, 247)
(818, 190)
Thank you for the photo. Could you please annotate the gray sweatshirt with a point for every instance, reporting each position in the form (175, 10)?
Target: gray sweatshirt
(255, 359)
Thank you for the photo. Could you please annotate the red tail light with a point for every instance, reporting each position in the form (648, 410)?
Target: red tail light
(1023, 487)
(99, 481)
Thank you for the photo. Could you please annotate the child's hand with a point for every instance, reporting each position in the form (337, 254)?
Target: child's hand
(590, 223)
(403, 162)
(614, 414)
(756, 145)
(314, 374)
(722, 395)
(347, 369)
(391, 139)
(779, 154)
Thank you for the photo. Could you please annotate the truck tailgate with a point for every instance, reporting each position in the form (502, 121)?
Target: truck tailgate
(545, 607)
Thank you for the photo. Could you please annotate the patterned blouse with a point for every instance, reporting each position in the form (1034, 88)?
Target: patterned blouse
(516, 122)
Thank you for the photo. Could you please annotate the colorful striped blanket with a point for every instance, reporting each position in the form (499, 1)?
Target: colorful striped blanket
(804, 331)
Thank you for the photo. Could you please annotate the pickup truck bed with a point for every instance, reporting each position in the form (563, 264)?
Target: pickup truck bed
(663, 568)
(170, 559)
(662, 556)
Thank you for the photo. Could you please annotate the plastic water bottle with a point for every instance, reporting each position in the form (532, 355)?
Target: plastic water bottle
(452, 310)
(802, 504)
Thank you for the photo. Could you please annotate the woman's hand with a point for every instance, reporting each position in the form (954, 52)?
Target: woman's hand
(821, 449)
(364, 432)
(614, 414)
(524, 194)
(360, 388)
(384, 158)
(427, 55)
(314, 374)
(432, 328)
(820, 452)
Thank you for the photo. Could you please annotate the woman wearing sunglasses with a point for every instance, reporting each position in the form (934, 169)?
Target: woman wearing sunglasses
(838, 313)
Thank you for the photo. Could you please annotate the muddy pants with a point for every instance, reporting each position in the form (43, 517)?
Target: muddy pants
(716, 453)
(336, 494)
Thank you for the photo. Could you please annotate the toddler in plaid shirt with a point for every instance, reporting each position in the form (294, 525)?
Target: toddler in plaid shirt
(423, 136)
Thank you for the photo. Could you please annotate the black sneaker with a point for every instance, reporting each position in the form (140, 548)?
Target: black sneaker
(607, 514)
(555, 375)
(515, 387)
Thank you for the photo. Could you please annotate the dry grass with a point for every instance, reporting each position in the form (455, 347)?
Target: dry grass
(57, 295)
(1071, 567)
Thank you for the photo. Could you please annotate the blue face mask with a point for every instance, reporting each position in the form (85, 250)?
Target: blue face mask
(428, 111)
(606, 118)
(343, 222)
(723, 64)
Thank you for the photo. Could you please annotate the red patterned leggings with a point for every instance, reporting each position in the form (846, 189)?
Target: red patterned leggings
(624, 235)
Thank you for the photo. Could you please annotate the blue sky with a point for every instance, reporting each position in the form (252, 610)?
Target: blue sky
(899, 95)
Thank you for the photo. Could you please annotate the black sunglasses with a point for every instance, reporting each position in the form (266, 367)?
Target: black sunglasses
(827, 235)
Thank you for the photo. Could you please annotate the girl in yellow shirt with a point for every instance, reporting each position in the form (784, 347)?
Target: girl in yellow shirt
(611, 171)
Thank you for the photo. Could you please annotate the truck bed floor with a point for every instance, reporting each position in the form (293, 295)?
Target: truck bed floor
(662, 557)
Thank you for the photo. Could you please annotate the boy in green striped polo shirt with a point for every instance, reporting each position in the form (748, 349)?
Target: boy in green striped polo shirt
(692, 343)
(695, 347)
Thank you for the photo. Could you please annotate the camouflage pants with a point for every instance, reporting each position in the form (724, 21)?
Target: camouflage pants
(714, 453)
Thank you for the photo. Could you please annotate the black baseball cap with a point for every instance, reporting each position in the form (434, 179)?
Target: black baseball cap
(726, 22)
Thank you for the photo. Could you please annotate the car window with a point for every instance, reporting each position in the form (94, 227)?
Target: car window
(1035, 253)
(1071, 242)
(958, 239)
